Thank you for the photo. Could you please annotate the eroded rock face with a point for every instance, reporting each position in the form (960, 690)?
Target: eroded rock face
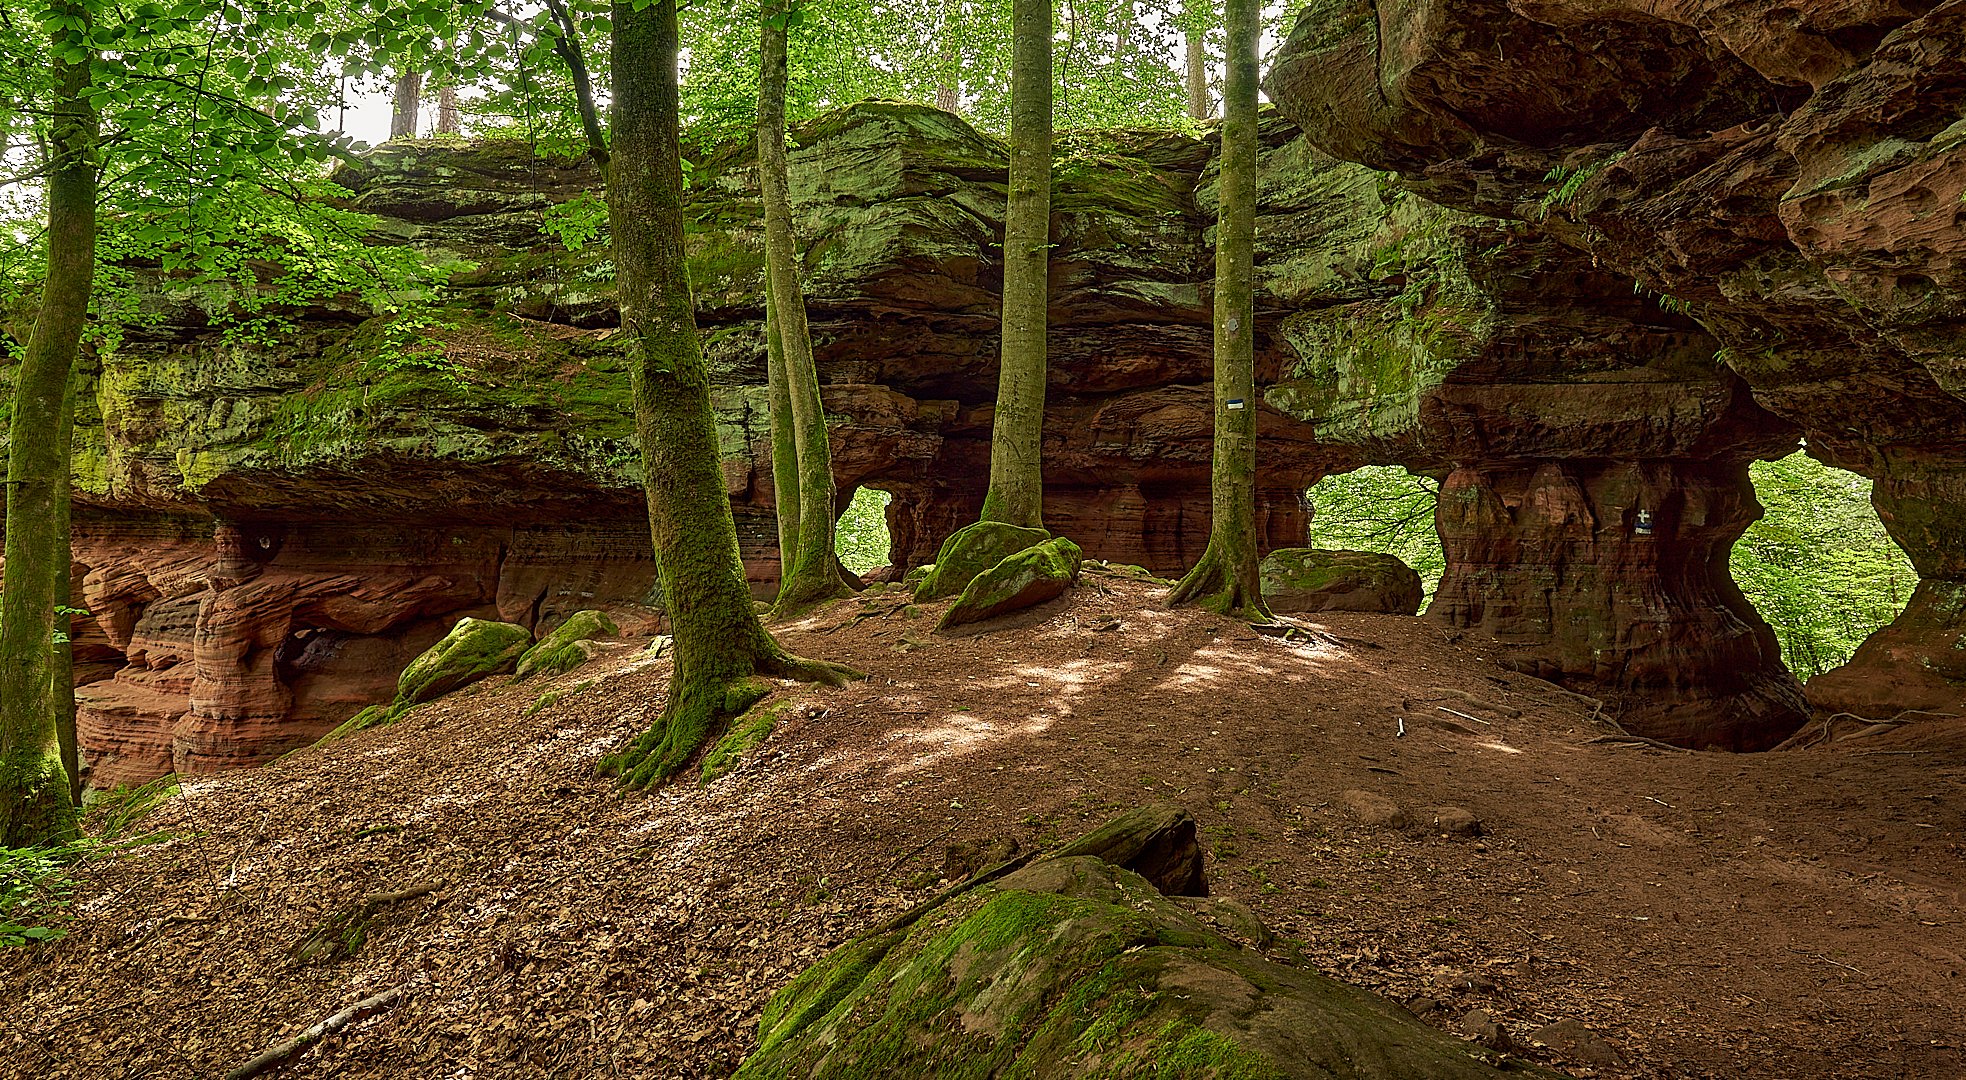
(1790, 176)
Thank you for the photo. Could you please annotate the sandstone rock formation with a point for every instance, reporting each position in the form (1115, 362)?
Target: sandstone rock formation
(1791, 178)
(1315, 579)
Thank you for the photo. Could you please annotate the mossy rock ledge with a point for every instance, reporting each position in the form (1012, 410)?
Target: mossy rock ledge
(1025, 579)
(474, 649)
(568, 646)
(1074, 967)
(971, 550)
(1314, 579)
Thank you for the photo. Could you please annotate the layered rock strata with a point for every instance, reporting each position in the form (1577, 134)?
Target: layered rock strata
(1791, 177)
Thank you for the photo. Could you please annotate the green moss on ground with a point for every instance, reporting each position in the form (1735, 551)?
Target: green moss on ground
(475, 649)
(745, 732)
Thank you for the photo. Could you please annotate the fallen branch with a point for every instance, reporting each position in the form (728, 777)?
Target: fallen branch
(282, 1052)
(1635, 740)
(1465, 716)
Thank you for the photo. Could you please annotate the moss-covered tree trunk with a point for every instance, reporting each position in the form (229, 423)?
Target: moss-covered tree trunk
(1226, 579)
(721, 648)
(810, 574)
(61, 653)
(1016, 492)
(1195, 14)
(35, 804)
(784, 444)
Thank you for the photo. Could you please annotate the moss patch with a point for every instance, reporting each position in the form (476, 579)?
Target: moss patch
(564, 649)
(971, 550)
(1024, 579)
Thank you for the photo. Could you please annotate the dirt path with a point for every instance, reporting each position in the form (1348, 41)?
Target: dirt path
(1782, 915)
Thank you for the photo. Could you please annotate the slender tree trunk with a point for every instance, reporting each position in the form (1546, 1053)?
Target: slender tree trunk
(403, 109)
(61, 658)
(721, 647)
(1016, 494)
(813, 576)
(1127, 18)
(1199, 105)
(784, 445)
(34, 789)
(1226, 579)
(449, 120)
(948, 96)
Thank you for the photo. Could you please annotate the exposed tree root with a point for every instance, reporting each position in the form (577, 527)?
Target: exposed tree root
(343, 932)
(701, 709)
(1213, 586)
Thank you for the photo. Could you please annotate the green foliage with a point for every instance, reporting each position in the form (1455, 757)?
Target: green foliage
(113, 814)
(577, 222)
(1381, 508)
(1819, 566)
(35, 884)
(862, 538)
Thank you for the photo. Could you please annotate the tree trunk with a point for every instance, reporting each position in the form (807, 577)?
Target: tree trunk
(948, 96)
(1199, 105)
(402, 112)
(449, 120)
(1226, 579)
(721, 647)
(812, 577)
(34, 789)
(1016, 494)
(61, 657)
(1127, 18)
(784, 445)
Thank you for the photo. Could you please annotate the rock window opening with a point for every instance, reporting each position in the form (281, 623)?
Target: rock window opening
(862, 537)
(1819, 565)
(1384, 509)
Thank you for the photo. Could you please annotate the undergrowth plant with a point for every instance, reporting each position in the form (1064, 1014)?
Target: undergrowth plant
(37, 884)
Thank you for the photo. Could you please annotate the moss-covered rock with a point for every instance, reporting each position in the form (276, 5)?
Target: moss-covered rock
(568, 646)
(971, 550)
(1024, 579)
(1074, 967)
(1312, 579)
(474, 649)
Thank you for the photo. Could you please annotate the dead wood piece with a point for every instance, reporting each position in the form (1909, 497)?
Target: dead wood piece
(343, 932)
(1636, 740)
(1473, 701)
(286, 1050)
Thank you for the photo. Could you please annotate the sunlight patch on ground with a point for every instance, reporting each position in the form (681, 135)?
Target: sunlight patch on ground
(959, 734)
(1504, 748)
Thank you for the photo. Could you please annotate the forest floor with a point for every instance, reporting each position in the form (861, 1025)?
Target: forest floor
(1793, 914)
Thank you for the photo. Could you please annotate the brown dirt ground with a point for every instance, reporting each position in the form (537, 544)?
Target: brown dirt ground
(1781, 915)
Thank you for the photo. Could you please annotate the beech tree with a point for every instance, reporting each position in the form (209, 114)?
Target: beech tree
(1016, 492)
(810, 572)
(1226, 579)
(723, 653)
(36, 801)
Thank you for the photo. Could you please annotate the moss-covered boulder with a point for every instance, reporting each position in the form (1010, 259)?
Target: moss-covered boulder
(1074, 967)
(971, 550)
(568, 646)
(474, 649)
(1312, 579)
(1025, 579)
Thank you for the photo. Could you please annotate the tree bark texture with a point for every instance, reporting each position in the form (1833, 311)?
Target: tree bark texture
(1226, 579)
(720, 646)
(1016, 492)
(404, 105)
(35, 804)
(449, 120)
(1199, 105)
(812, 575)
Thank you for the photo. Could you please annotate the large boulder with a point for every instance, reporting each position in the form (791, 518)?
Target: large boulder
(971, 550)
(568, 646)
(1314, 579)
(1026, 579)
(1075, 967)
(475, 649)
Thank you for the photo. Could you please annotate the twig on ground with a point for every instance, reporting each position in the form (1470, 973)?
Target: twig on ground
(287, 1049)
(1465, 716)
(917, 850)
